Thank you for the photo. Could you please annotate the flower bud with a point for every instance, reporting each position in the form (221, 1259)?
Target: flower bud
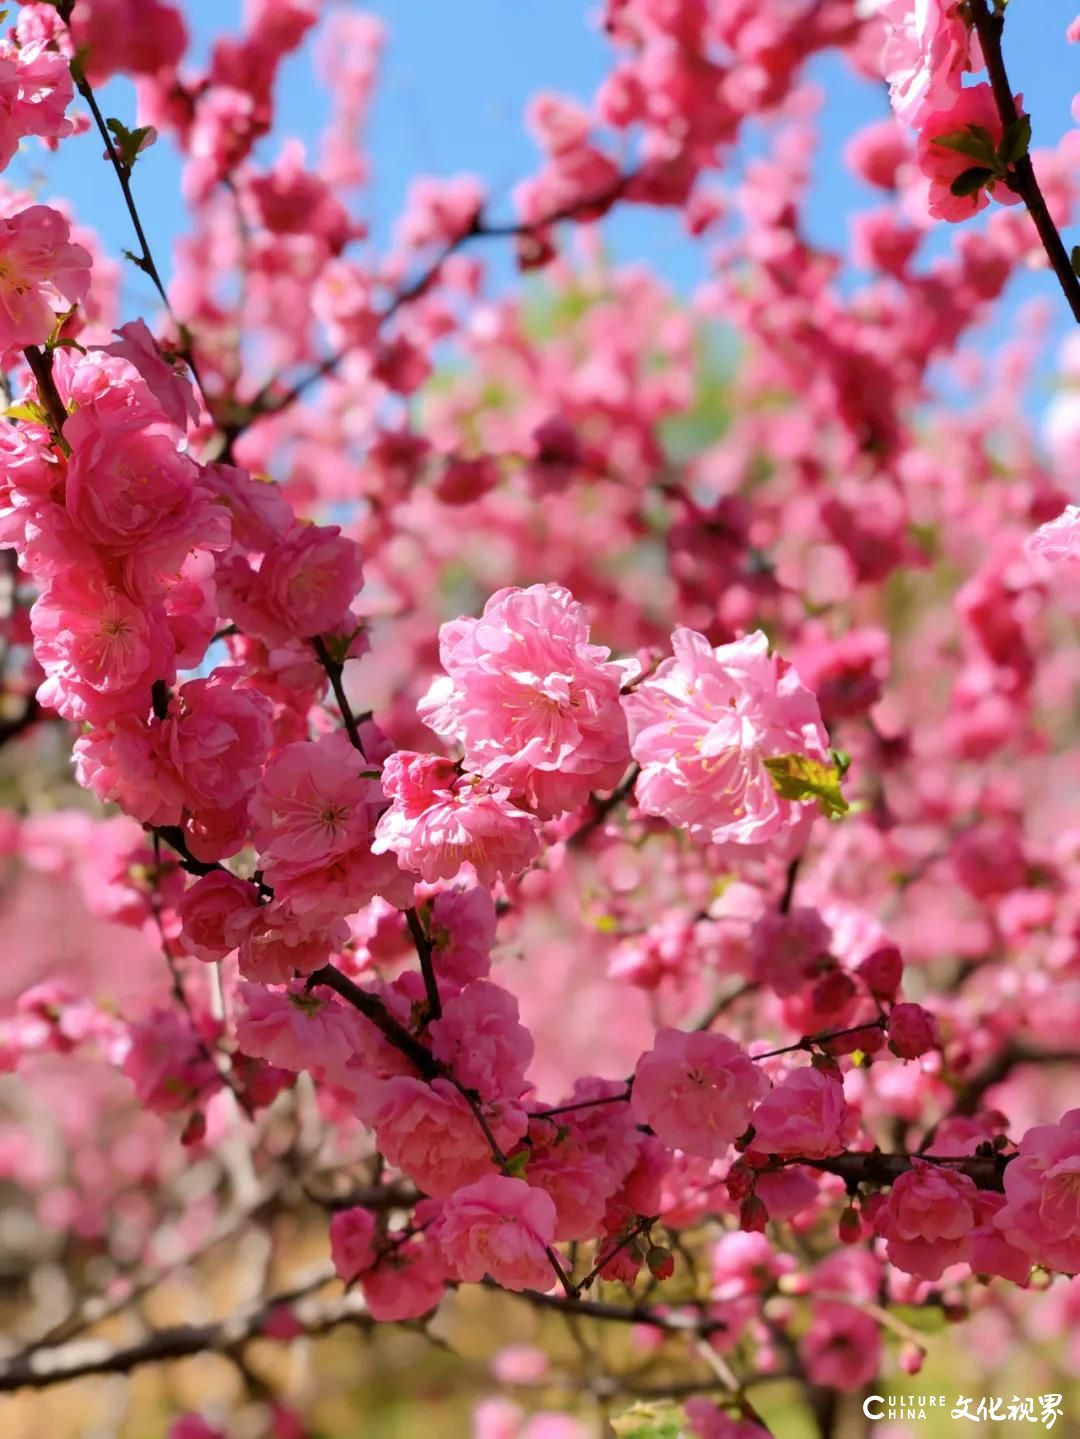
(849, 1229)
(753, 1216)
(912, 1031)
(661, 1262)
(194, 1131)
(882, 972)
(911, 1357)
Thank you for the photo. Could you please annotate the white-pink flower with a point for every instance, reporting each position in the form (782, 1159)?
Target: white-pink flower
(1058, 541)
(701, 728)
(533, 704)
(928, 46)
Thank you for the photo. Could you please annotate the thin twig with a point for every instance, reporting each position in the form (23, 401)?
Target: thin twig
(265, 402)
(424, 952)
(145, 260)
(334, 670)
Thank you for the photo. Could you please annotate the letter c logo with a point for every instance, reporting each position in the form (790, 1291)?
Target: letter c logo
(874, 1399)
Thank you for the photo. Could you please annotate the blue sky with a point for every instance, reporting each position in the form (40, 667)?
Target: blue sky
(455, 79)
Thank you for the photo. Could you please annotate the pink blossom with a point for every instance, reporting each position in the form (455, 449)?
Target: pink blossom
(304, 586)
(701, 729)
(533, 704)
(520, 1364)
(804, 1114)
(942, 165)
(991, 1252)
(696, 1091)
(480, 1040)
(1058, 541)
(194, 1426)
(438, 211)
(41, 272)
(462, 931)
(352, 1235)
(708, 1422)
(126, 764)
(298, 1029)
(217, 736)
(500, 1228)
(407, 1282)
(101, 651)
(877, 153)
(134, 496)
(35, 91)
(431, 1134)
(928, 46)
(278, 945)
(439, 821)
(928, 1219)
(842, 1348)
(136, 37)
(169, 1063)
(315, 802)
(787, 950)
(168, 385)
(882, 971)
(215, 914)
(912, 1031)
(1041, 1215)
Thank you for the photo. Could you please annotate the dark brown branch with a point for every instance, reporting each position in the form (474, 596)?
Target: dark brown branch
(145, 260)
(721, 1005)
(42, 1367)
(585, 1103)
(815, 1041)
(605, 1256)
(874, 1167)
(972, 1091)
(673, 1322)
(40, 362)
(424, 953)
(372, 1007)
(1022, 178)
(334, 670)
(600, 808)
(790, 880)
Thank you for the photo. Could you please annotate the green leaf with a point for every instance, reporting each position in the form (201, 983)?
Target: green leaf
(649, 1421)
(1017, 140)
(970, 182)
(517, 1164)
(128, 143)
(28, 411)
(926, 1318)
(798, 777)
(980, 146)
